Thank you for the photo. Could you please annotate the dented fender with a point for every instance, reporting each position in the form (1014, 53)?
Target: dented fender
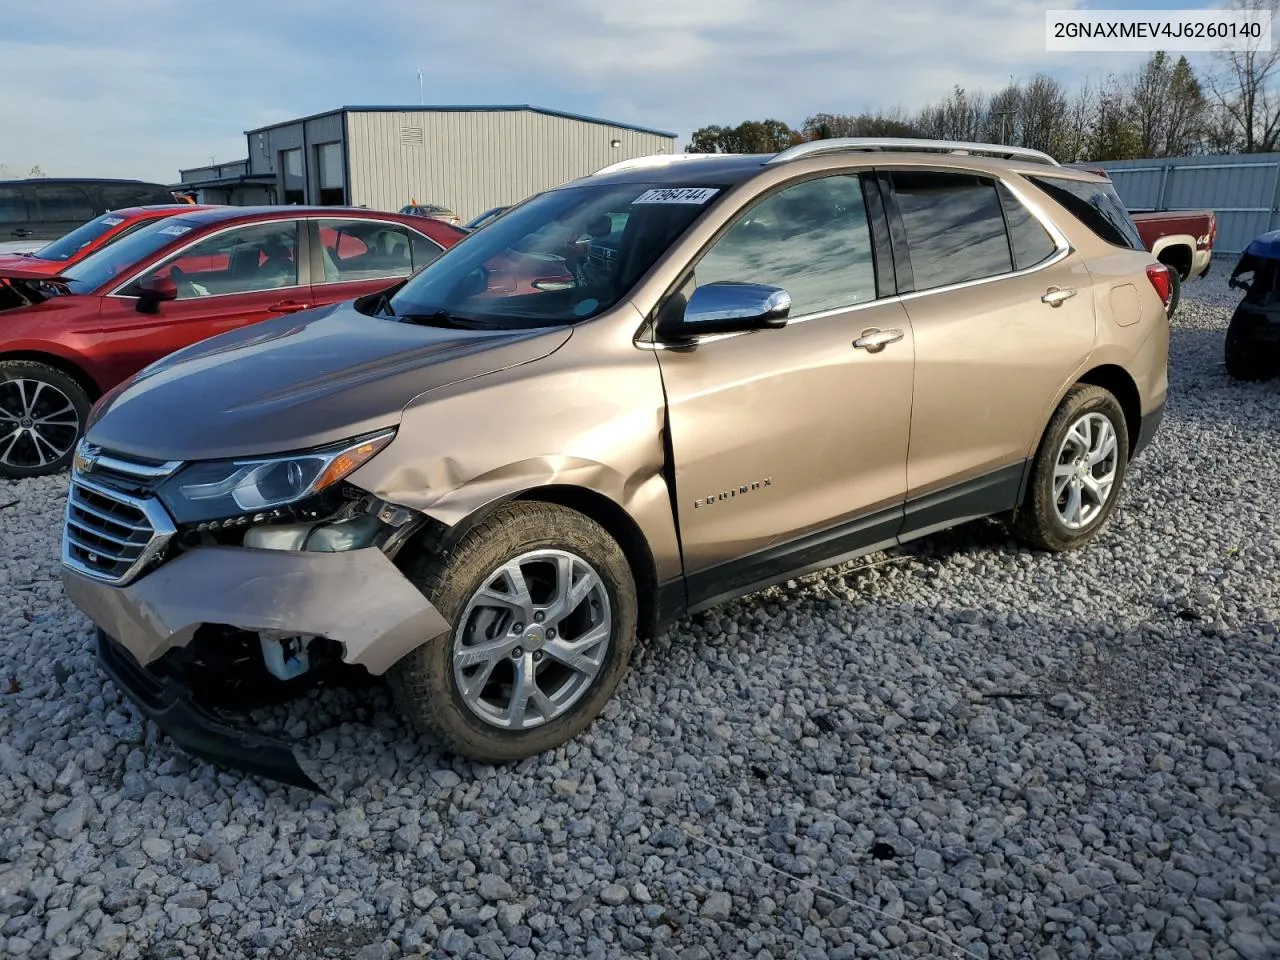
(591, 416)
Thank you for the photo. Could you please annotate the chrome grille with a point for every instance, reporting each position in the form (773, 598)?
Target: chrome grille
(110, 535)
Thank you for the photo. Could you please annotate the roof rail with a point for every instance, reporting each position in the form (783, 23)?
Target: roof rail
(660, 160)
(840, 144)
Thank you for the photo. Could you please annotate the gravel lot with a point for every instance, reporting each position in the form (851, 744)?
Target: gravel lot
(954, 750)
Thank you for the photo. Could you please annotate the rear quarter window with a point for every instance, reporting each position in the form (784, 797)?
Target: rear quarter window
(1095, 204)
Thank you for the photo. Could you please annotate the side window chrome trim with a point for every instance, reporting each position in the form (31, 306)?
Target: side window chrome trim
(389, 223)
(1062, 250)
(209, 236)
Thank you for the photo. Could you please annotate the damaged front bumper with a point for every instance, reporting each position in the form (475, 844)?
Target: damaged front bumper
(194, 729)
(358, 599)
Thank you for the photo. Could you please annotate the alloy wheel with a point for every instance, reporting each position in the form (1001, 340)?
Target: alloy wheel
(532, 639)
(38, 423)
(1085, 470)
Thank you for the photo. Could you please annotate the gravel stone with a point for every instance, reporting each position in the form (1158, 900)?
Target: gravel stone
(1030, 756)
(614, 894)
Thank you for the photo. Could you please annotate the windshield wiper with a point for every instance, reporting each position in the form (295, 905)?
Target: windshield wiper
(383, 305)
(443, 318)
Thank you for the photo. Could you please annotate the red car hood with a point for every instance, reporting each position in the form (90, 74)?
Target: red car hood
(22, 268)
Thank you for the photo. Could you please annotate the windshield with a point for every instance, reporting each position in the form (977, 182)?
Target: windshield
(103, 265)
(69, 244)
(561, 257)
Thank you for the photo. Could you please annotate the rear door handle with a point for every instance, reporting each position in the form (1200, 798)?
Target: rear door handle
(288, 306)
(1057, 296)
(874, 340)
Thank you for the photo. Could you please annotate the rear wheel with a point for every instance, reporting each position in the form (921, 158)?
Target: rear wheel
(543, 610)
(1077, 474)
(1175, 290)
(42, 415)
(1247, 356)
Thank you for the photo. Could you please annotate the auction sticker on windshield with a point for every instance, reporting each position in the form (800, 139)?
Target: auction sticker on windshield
(174, 230)
(677, 195)
(113, 221)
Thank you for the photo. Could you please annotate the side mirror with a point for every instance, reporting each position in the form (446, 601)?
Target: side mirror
(158, 288)
(153, 290)
(729, 307)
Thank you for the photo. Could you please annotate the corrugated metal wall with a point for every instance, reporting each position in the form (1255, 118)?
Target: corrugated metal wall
(1243, 189)
(265, 147)
(473, 161)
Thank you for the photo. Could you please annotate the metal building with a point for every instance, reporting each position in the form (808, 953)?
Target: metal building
(466, 158)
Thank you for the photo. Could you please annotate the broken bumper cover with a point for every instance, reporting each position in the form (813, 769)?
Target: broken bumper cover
(194, 729)
(357, 598)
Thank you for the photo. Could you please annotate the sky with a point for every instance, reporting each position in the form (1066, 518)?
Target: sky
(140, 88)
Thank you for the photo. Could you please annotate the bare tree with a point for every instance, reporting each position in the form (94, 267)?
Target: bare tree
(1042, 110)
(1076, 138)
(1001, 121)
(36, 172)
(961, 116)
(1242, 86)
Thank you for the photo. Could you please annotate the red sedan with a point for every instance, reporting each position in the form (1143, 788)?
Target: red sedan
(89, 238)
(69, 338)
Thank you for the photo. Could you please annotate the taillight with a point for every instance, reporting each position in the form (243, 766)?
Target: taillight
(1158, 274)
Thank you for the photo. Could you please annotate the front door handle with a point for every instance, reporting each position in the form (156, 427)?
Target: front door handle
(874, 340)
(20, 232)
(288, 306)
(1057, 296)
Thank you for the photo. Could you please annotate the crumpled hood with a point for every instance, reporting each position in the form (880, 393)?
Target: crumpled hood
(296, 382)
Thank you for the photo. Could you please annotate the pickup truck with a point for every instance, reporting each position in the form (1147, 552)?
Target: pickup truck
(1180, 239)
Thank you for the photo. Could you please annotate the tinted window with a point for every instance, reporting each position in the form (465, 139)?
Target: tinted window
(119, 195)
(1031, 241)
(63, 203)
(812, 240)
(13, 209)
(369, 250)
(248, 259)
(955, 228)
(1097, 206)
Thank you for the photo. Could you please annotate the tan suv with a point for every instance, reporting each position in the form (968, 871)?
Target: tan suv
(631, 397)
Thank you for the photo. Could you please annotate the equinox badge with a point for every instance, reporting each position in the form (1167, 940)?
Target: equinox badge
(739, 491)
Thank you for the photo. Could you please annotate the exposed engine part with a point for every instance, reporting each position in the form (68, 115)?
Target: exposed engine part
(285, 655)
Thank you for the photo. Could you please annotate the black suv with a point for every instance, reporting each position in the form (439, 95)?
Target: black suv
(46, 208)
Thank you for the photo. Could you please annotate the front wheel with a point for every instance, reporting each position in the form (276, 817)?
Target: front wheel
(542, 606)
(1077, 473)
(42, 415)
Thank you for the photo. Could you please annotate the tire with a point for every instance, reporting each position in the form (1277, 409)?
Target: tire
(427, 687)
(1039, 522)
(42, 417)
(1247, 358)
(1175, 291)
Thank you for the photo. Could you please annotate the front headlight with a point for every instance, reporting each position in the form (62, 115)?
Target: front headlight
(217, 489)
